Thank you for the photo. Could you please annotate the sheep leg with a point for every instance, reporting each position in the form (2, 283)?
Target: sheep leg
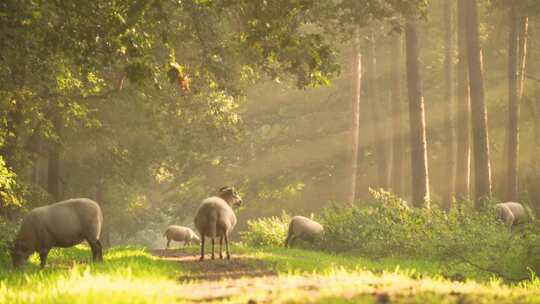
(43, 257)
(220, 247)
(168, 243)
(96, 248)
(202, 247)
(213, 257)
(287, 240)
(227, 246)
(291, 241)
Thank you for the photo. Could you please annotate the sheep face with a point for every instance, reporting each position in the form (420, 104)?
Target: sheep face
(230, 195)
(19, 255)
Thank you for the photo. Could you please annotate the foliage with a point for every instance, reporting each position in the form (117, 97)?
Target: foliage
(8, 230)
(270, 231)
(387, 227)
(8, 193)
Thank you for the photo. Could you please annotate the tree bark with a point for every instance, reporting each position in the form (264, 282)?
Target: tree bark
(356, 66)
(522, 51)
(380, 141)
(53, 168)
(397, 118)
(482, 169)
(463, 159)
(449, 113)
(512, 142)
(419, 162)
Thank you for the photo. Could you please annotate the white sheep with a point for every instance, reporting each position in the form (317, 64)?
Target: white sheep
(303, 228)
(511, 213)
(216, 218)
(180, 234)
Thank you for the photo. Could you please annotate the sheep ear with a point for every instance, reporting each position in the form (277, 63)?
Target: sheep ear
(226, 189)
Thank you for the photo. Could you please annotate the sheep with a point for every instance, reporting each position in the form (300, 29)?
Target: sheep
(215, 218)
(180, 234)
(62, 224)
(303, 228)
(511, 213)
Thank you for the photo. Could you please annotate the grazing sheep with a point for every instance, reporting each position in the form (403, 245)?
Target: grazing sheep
(180, 234)
(511, 213)
(303, 228)
(216, 218)
(63, 224)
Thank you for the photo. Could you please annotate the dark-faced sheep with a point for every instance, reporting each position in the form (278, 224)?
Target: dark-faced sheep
(216, 218)
(303, 228)
(63, 224)
(180, 234)
(511, 213)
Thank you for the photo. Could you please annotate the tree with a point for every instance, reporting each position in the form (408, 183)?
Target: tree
(380, 142)
(419, 162)
(397, 117)
(482, 167)
(449, 99)
(517, 50)
(463, 158)
(356, 69)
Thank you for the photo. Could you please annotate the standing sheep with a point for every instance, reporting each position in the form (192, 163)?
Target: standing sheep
(216, 218)
(511, 213)
(303, 228)
(180, 234)
(63, 224)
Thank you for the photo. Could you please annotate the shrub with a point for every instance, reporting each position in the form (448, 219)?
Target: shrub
(8, 231)
(388, 227)
(270, 231)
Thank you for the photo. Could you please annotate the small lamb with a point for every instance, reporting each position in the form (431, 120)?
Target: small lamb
(180, 234)
(303, 228)
(511, 213)
(216, 218)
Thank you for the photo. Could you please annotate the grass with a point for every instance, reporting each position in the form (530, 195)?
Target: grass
(133, 275)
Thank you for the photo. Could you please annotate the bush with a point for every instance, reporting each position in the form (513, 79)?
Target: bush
(388, 227)
(270, 231)
(8, 231)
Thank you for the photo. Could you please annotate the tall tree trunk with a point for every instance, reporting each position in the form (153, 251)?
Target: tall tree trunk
(356, 74)
(512, 133)
(419, 162)
(522, 51)
(517, 52)
(463, 159)
(380, 141)
(53, 171)
(482, 170)
(449, 113)
(397, 118)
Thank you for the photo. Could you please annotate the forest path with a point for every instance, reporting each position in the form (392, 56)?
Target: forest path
(248, 279)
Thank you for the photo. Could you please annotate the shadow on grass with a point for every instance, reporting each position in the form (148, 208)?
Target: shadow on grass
(239, 266)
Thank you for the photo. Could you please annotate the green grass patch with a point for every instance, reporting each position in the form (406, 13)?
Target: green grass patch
(133, 275)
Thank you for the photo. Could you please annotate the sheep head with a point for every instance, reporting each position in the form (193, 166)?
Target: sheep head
(230, 195)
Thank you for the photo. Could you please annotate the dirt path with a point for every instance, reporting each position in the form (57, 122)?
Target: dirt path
(212, 270)
(245, 279)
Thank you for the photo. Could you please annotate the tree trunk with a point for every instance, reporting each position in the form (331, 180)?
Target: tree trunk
(53, 169)
(356, 74)
(482, 170)
(449, 113)
(522, 51)
(380, 141)
(512, 133)
(419, 162)
(463, 159)
(397, 119)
